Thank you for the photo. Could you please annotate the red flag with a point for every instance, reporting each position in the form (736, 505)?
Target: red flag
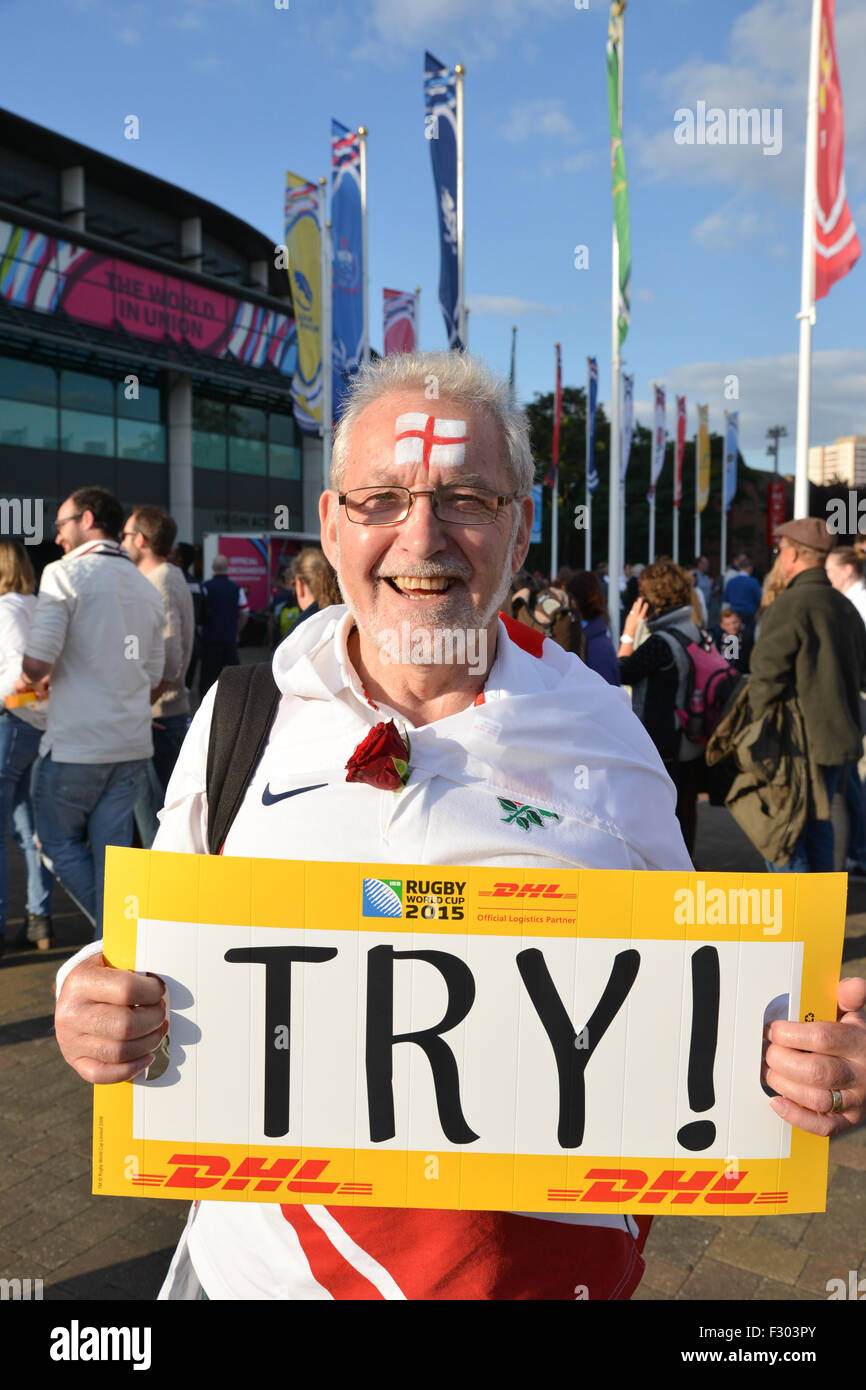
(680, 446)
(557, 421)
(837, 247)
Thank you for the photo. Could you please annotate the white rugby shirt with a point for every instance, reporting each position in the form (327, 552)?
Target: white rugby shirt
(547, 732)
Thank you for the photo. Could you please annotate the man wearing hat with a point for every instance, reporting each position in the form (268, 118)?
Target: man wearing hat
(813, 646)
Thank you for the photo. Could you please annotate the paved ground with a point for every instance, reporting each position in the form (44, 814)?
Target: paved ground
(51, 1227)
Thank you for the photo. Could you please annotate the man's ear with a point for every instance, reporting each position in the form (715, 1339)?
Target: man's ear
(329, 511)
(524, 531)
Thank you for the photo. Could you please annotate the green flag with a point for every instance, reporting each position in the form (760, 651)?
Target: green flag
(617, 165)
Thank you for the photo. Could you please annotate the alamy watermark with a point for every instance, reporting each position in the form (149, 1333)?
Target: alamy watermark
(738, 125)
(846, 517)
(24, 1290)
(422, 646)
(22, 516)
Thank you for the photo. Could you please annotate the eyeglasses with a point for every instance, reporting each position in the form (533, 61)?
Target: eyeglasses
(124, 534)
(62, 520)
(388, 506)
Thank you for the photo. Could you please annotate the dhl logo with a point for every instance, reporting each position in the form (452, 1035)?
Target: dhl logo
(526, 890)
(631, 1184)
(201, 1171)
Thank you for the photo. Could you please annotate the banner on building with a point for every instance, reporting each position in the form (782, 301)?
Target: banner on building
(679, 450)
(837, 246)
(732, 450)
(303, 243)
(627, 422)
(347, 304)
(591, 403)
(659, 441)
(440, 127)
(703, 458)
(543, 1040)
(399, 310)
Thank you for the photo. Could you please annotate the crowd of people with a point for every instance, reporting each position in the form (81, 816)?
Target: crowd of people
(102, 671)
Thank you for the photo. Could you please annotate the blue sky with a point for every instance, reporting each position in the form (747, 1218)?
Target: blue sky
(230, 93)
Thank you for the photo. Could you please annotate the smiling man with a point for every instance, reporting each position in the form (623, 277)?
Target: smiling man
(427, 518)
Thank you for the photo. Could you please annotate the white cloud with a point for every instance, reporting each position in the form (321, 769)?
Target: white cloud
(469, 31)
(503, 304)
(544, 118)
(768, 396)
(129, 37)
(728, 228)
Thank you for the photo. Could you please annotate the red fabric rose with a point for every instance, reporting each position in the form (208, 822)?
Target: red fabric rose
(381, 759)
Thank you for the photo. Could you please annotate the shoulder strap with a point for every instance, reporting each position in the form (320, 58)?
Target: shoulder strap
(244, 708)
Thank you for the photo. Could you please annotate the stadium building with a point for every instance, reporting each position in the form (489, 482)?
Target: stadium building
(147, 343)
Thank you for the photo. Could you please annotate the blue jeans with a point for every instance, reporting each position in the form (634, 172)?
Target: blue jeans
(19, 749)
(167, 742)
(80, 808)
(856, 808)
(813, 852)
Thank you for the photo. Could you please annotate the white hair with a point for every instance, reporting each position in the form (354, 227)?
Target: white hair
(457, 376)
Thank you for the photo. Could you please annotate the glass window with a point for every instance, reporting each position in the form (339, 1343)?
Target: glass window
(209, 416)
(28, 381)
(245, 422)
(29, 426)
(248, 456)
(281, 429)
(79, 391)
(208, 450)
(284, 462)
(145, 404)
(82, 432)
(139, 439)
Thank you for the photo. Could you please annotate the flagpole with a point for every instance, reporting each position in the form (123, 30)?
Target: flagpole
(676, 519)
(326, 332)
(554, 496)
(723, 548)
(697, 510)
(652, 501)
(462, 322)
(417, 318)
(614, 564)
(365, 332)
(587, 564)
(807, 281)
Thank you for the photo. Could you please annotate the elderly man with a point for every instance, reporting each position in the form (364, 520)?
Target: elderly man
(427, 519)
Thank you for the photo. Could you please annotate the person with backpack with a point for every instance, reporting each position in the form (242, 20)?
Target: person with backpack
(679, 681)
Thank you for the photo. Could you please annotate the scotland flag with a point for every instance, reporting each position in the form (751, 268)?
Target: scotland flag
(440, 128)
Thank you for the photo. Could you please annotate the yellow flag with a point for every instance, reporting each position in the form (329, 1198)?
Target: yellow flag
(703, 482)
(305, 275)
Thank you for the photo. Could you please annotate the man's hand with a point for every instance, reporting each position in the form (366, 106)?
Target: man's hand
(806, 1062)
(109, 1022)
(41, 687)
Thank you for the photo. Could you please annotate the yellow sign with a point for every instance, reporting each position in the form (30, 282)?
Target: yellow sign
(544, 1040)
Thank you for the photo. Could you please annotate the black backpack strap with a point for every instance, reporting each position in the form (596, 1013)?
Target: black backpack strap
(244, 709)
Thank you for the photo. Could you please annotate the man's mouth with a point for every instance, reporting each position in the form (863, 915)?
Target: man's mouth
(420, 586)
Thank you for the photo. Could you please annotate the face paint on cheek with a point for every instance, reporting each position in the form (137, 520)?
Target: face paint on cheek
(420, 438)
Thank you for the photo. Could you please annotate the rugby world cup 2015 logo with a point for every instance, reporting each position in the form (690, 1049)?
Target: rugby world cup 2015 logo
(382, 897)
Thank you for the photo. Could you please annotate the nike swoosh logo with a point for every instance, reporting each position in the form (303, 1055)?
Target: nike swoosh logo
(269, 799)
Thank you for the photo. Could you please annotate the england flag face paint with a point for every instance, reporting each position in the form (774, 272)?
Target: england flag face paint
(420, 438)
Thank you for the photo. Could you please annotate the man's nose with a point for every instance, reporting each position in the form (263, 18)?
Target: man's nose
(422, 529)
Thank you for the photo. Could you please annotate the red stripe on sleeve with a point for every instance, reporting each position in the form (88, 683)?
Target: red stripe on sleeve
(524, 635)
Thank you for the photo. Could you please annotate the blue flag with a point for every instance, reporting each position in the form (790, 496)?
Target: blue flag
(732, 450)
(440, 128)
(592, 399)
(537, 492)
(347, 299)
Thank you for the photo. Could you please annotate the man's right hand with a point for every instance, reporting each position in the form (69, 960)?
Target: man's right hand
(109, 1022)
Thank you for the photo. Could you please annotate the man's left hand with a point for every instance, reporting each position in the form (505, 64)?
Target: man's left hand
(806, 1062)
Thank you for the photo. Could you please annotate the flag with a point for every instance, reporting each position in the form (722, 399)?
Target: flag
(837, 247)
(680, 447)
(617, 165)
(591, 400)
(627, 423)
(399, 314)
(440, 127)
(512, 374)
(732, 449)
(659, 441)
(703, 462)
(557, 421)
(347, 305)
(303, 243)
(537, 495)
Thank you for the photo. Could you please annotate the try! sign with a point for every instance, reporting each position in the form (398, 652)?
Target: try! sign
(464, 1037)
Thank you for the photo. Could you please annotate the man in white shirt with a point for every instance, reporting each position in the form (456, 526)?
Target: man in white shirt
(96, 641)
(148, 538)
(427, 519)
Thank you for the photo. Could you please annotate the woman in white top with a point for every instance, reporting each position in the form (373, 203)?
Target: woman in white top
(845, 573)
(20, 734)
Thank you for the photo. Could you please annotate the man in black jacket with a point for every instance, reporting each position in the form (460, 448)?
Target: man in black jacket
(812, 645)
